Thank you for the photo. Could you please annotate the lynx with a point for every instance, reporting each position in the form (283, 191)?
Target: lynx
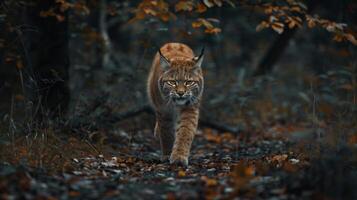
(175, 86)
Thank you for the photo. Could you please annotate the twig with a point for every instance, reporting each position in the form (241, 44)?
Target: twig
(92, 146)
(12, 124)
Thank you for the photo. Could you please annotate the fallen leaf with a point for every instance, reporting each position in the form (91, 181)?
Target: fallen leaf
(209, 181)
(181, 173)
(279, 158)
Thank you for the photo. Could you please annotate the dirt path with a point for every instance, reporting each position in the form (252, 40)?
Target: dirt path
(222, 166)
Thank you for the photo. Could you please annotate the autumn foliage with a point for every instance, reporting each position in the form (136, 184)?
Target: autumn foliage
(278, 114)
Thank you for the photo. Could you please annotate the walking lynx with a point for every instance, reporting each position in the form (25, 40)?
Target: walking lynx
(175, 87)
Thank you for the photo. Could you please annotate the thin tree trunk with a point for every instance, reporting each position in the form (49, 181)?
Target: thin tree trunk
(274, 52)
(104, 33)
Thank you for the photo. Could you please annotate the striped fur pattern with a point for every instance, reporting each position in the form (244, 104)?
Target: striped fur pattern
(175, 87)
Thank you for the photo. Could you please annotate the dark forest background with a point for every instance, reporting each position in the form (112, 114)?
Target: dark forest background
(278, 117)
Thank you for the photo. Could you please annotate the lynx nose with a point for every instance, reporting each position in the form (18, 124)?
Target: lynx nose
(180, 93)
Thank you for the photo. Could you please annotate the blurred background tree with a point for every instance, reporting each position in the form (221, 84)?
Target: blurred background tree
(280, 90)
(57, 53)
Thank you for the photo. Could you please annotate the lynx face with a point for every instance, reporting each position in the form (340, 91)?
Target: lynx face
(181, 83)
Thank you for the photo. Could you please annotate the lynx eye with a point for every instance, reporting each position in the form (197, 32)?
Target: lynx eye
(171, 83)
(189, 83)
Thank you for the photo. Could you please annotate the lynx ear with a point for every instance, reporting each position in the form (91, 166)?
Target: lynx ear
(164, 63)
(199, 58)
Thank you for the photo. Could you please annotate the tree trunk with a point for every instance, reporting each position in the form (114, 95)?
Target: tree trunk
(46, 75)
(274, 52)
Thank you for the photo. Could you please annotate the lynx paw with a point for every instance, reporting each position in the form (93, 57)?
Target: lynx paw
(179, 160)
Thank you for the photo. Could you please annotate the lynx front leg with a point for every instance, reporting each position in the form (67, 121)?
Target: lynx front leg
(164, 129)
(185, 131)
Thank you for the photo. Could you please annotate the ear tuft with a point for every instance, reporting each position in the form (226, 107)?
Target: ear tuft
(164, 63)
(199, 59)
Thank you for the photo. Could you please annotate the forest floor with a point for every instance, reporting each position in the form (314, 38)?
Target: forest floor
(222, 166)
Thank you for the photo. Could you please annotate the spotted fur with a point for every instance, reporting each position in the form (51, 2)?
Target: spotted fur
(175, 87)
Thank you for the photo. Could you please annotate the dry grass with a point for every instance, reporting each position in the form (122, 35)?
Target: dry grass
(46, 150)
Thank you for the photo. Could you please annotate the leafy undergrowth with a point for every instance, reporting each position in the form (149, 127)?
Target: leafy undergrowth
(222, 165)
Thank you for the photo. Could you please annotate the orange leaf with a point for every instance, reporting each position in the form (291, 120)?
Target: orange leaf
(243, 170)
(268, 10)
(196, 24)
(149, 11)
(338, 38)
(311, 23)
(206, 23)
(295, 9)
(352, 139)
(351, 38)
(346, 87)
(60, 18)
(19, 64)
(181, 173)
(289, 167)
(47, 13)
(213, 31)
(201, 8)
(170, 196)
(279, 158)
(165, 17)
(184, 6)
(209, 181)
(212, 137)
(278, 27)
(292, 24)
(73, 193)
(203, 22)
(262, 26)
